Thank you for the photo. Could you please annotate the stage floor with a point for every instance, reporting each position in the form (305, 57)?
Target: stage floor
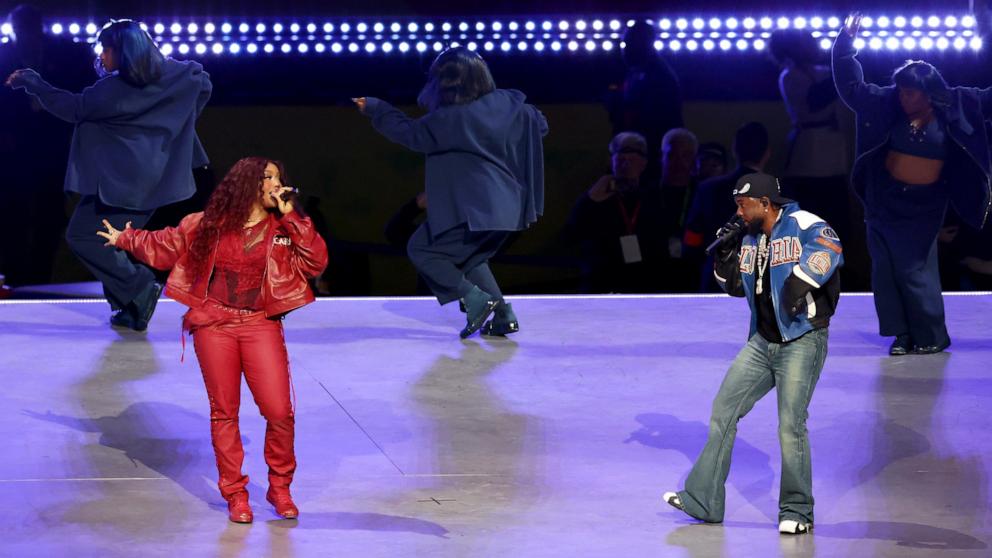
(558, 441)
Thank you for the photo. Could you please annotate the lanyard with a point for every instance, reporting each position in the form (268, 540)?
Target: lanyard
(629, 220)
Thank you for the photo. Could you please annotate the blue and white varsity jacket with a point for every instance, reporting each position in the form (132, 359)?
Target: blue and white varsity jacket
(804, 255)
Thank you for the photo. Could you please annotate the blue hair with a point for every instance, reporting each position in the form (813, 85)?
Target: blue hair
(139, 61)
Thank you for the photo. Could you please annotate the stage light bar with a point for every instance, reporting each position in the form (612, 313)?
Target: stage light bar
(589, 35)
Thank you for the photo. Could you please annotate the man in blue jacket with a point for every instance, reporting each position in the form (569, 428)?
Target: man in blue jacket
(786, 266)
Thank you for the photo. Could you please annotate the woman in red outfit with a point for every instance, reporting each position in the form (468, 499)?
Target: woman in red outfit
(240, 266)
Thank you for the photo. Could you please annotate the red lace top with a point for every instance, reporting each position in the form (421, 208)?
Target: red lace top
(239, 268)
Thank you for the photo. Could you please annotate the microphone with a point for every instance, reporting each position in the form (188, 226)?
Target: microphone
(727, 234)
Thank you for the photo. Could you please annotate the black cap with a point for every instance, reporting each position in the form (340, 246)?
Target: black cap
(760, 185)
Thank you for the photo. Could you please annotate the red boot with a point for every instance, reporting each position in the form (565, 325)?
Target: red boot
(238, 508)
(283, 502)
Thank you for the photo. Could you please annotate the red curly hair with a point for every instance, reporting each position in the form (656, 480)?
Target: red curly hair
(230, 206)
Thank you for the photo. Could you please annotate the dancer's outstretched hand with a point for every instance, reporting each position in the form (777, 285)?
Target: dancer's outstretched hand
(19, 77)
(360, 102)
(853, 24)
(111, 234)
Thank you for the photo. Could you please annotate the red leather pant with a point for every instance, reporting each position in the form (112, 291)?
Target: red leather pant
(250, 343)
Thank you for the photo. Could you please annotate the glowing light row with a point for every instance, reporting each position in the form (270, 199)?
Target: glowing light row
(674, 45)
(767, 23)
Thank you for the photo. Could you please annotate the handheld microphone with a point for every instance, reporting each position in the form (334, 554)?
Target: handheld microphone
(727, 234)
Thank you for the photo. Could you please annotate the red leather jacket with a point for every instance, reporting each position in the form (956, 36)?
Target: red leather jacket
(296, 254)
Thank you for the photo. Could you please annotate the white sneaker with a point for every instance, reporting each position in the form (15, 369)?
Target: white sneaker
(793, 527)
(672, 499)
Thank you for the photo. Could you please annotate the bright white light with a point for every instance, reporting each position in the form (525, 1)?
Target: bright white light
(463, 26)
(916, 21)
(497, 26)
(445, 27)
(57, 28)
(277, 28)
(319, 47)
(192, 28)
(875, 43)
(556, 46)
(311, 28)
(260, 28)
(370, 47)
(361, 27)
(658, 45)
(816, 22)
(731, 23)
(675, 45)
(345, 27)
(505, 46)
(933, 21)
(580, 25)
(926, 43)
(614, 24)
(378, 27)
(573, 46)
(799, 23)
(159, 29)
(975, 43)
(691, 45)
(217, 48)
(404, 47)
(590, 46)
(909, 43)
(708, 45)
(597, 25)
(512, 26)
(833, 22)
(421, 46)
(883, 22)
(252, 48)
(395, 27)
(184, 49)
(759, 44)
(201, 48)
(522, 45)
(681, 24)
(412, 27)
(286, 49)
(74, 28)
(176, 29)
(166, 49)
(766, 23)
(715, 23)
(226, 28)
(725, 45)
(488, 46)
(867, 22)
(530, 26)
(243, 28)
(387, 47)
(783, 23)
(607, 45)
(563, 25)
(698, 23)
(825, 44)
(438, 46)
(899, 22)
(742, 44)
(859, 43)
(336, 48)
(968, 21)
(943, 43)
(234, 48)
(269, 48)
(892, 43)
(539, 46)
(951, 21)
(960, 43)
(429, 27)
